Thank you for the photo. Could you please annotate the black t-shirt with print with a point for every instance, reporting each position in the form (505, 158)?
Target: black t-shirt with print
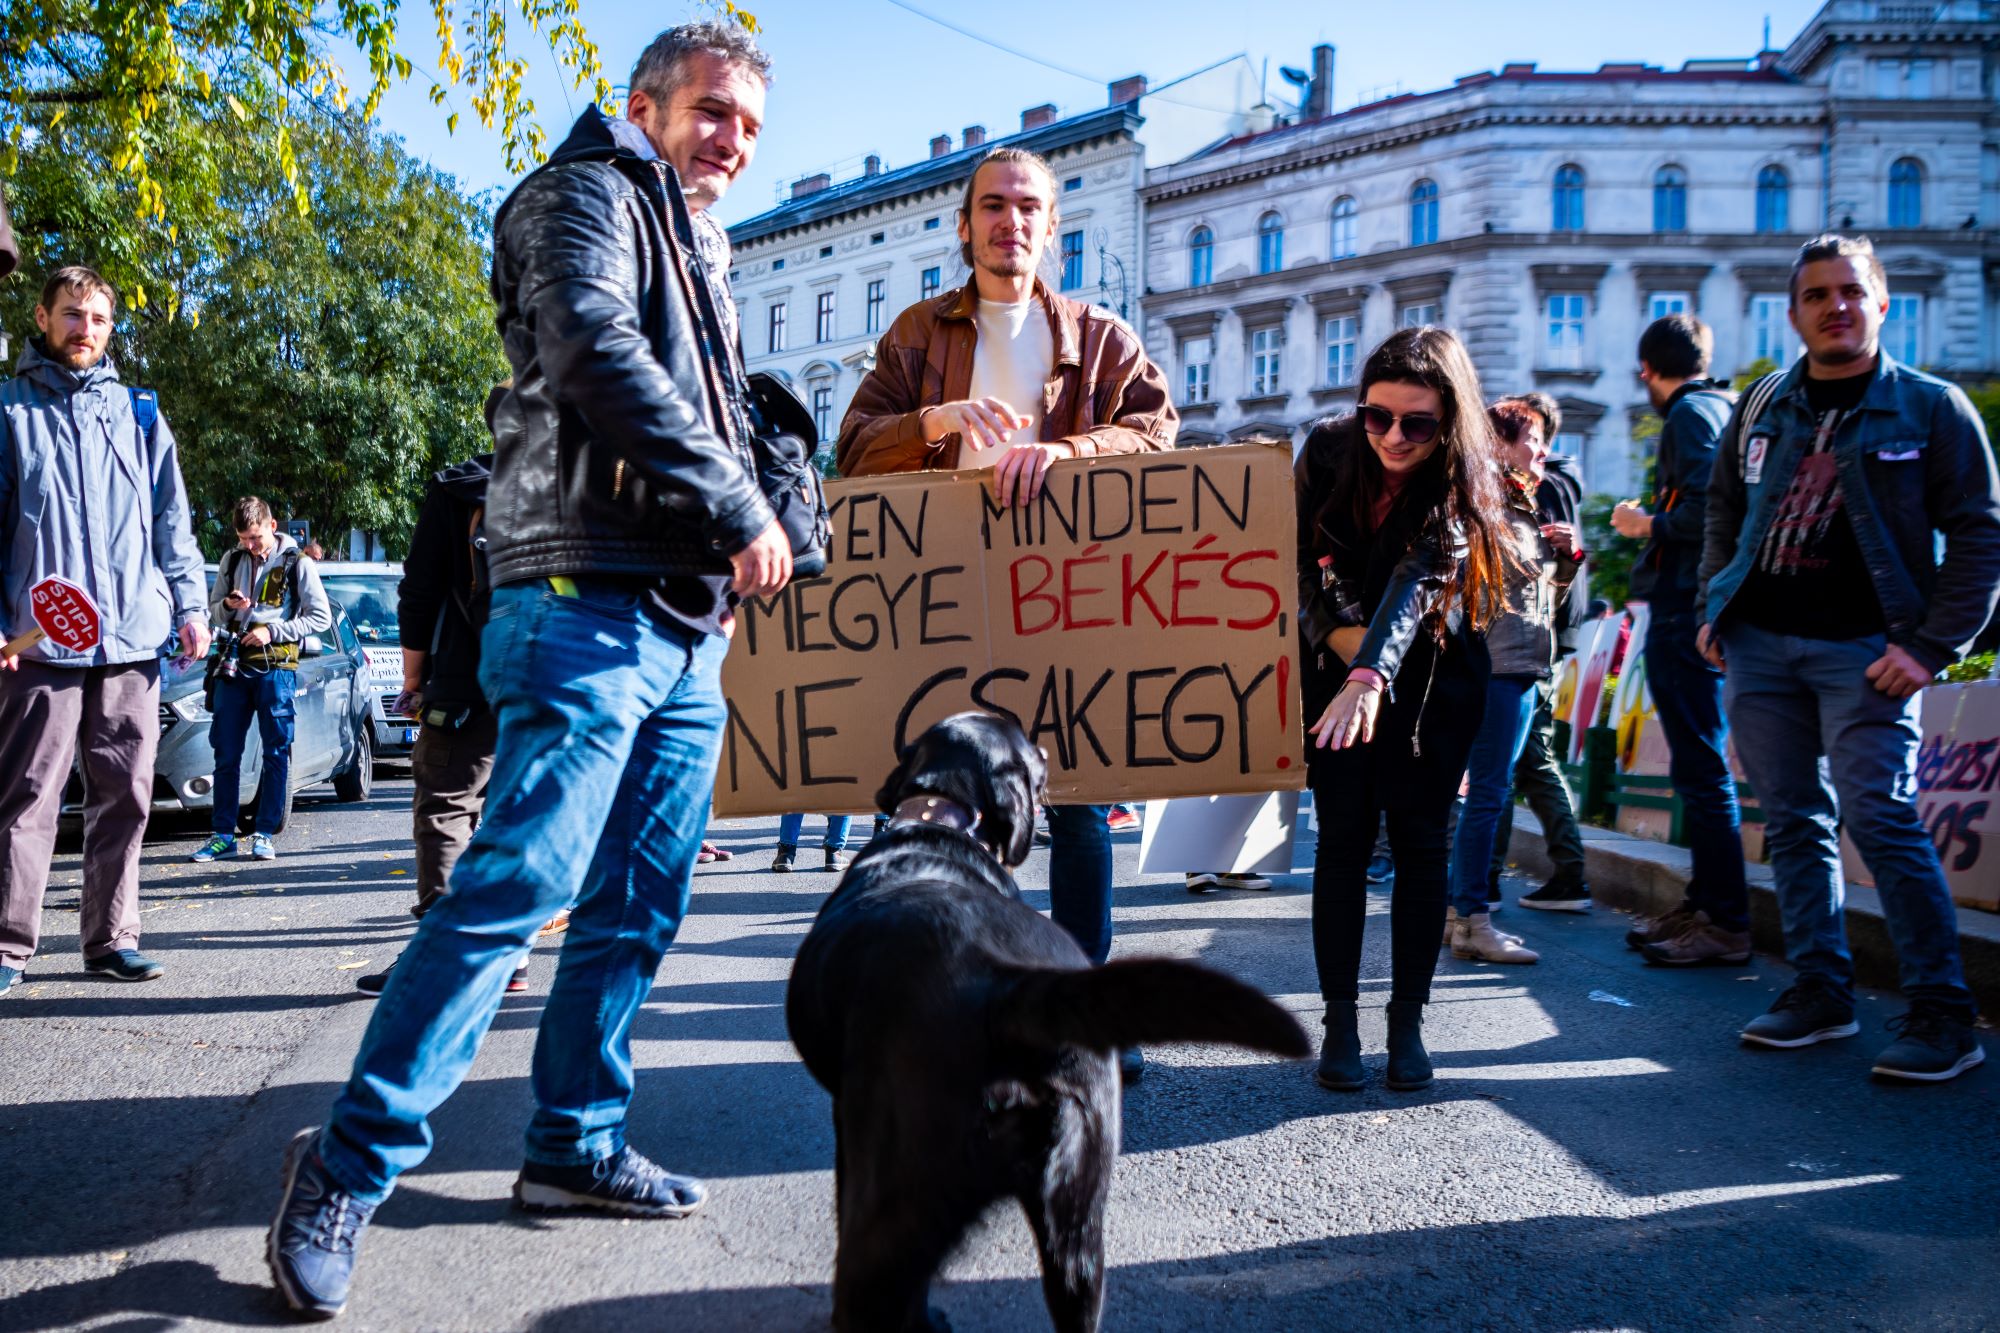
(1809, 579)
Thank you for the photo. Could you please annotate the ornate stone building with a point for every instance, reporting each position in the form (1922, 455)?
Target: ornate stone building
(819, 278)
(1548, 217)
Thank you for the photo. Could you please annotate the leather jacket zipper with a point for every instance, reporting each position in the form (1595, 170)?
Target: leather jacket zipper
(618, 479)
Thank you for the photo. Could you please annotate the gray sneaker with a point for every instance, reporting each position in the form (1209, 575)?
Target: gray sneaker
(261, 848)
(1932, 1046)
(836, 860)
(1806, 1014)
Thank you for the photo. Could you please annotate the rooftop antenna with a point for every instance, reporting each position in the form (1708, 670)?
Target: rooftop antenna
(1767, 32)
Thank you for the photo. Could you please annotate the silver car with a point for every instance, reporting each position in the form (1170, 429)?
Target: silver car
(368, 591)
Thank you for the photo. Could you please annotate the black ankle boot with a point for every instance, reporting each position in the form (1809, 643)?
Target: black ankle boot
(1340, 1054)
(1409, 1062)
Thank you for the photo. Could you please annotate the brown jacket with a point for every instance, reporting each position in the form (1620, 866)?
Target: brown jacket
(1104, 397)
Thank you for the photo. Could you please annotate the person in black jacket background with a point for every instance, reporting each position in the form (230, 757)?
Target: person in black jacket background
(623, 519)
(1713, 924)
(1399, 572)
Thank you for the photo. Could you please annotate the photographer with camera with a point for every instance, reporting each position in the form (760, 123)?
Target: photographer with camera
(267, 600)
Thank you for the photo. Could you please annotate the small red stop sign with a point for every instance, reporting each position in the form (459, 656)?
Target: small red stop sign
(66, 615)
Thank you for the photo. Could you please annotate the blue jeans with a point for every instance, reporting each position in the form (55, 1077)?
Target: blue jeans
(1687, 698)
(1489, 770)
(1824, 748)
(1080, 875)
(610, 723)
(790, 826)
(268, 698)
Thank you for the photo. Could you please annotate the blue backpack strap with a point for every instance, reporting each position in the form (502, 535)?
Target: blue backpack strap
(146, 407)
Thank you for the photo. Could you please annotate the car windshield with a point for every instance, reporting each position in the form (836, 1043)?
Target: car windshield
(370, 602)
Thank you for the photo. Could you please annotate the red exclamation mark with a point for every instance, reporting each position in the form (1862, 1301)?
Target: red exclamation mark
(1284, 705)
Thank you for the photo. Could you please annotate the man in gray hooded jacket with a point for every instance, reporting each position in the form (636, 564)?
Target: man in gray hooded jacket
(91, 491)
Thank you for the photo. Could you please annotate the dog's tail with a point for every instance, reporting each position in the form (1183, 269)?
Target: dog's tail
(1141, 1001)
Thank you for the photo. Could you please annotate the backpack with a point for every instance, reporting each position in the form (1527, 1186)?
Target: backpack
(478, 593)
(146, 407)
(1755, 399)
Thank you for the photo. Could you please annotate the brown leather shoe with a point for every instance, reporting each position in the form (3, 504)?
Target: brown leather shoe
(1659, 929)
(1702, 944)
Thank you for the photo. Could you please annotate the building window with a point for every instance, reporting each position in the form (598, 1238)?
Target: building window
(1670, 199)
(1196, 355)
(823, 319)
(1903, 329)
(1770, 329)
(1342, 335)
(928, 284)
(826, 252)
(1568, 444)
(1072, 183)
(876, 238)
(931, 224)
(823, 410)
(1072, 260)
(775, 331)
(1661, 304)
(1774, 200)
(1417, 315)
(1346, 239)
(1265, 360)
(1906, 193)
(1270, 243)
(1562, 339)
(777, 266)
(878, 298)
(1201, 257)
(1566, 199)
(1423, 212)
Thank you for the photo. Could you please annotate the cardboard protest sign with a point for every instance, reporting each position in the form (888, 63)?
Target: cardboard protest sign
(1596, 646)
(1137, 620)
(64, 615)
(1220, 835)
(1958, 787)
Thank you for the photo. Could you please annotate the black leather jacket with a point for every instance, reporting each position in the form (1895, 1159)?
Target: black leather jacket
(619, 449)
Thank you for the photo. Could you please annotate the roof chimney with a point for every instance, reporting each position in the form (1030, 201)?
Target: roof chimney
(806, 185)
(974, 136)
(1037, 116)
(1128, 90)
(1319, 95)
(941, 145)
(871, 165)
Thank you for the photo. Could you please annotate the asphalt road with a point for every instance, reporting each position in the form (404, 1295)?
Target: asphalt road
(1598, 1153)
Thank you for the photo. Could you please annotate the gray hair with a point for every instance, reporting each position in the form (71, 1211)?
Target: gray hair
(1832, 245)
(659, 72)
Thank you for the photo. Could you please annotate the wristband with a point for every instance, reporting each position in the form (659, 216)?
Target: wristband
(1368, 678)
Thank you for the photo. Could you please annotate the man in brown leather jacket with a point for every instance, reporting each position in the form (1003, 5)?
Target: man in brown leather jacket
(1005, 373)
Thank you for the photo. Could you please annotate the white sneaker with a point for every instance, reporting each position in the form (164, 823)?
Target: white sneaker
(1202, 882)
(1476, 939)
(1242, 881)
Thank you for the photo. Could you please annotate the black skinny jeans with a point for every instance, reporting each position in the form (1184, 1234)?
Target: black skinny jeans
(1350, 809)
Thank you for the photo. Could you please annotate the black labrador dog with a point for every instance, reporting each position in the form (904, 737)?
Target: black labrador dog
(969, 1044)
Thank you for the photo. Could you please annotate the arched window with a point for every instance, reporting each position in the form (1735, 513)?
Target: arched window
(1906, 193)
(1346, 241)
(1670, 199)
(1270, 243)
(1201, 257)
(1423, 212)
(1566, 199)
(1774, 200)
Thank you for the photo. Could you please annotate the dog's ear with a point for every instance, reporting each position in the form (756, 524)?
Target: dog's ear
(891, 794)
(1012, 785)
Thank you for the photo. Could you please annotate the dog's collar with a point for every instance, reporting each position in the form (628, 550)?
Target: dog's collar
(938, 810)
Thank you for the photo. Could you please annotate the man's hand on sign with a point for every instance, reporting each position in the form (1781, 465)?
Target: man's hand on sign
(765, 565)
(1017, 476)
(9, 661)
(1898, 674)
(1350, 718)
(257, 637)
(984, 423)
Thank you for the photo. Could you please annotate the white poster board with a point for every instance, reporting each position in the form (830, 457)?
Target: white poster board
(1220, 835)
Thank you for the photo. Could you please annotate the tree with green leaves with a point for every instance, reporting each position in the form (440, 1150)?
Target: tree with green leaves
(328, 361)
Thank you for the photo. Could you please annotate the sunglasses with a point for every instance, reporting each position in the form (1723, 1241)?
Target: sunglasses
(1418, 427)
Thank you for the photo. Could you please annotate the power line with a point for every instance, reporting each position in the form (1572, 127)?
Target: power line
(998, 46)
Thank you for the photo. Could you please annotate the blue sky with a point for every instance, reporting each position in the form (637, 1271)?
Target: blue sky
(860, 76)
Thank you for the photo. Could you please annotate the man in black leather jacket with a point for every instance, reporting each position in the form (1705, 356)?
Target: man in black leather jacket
(622, 521)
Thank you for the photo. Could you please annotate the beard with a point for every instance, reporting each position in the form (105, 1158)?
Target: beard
(1006, 263)
(76, 357)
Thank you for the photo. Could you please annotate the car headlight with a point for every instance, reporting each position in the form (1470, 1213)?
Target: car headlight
(190, 708)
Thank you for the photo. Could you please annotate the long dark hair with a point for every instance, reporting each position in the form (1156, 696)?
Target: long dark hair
(1455, 494)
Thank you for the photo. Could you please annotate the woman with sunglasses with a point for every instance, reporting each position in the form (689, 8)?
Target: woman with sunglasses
(1521, 643)
(1399, 556)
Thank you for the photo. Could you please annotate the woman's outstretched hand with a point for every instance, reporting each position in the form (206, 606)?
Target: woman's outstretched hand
(1350, 718)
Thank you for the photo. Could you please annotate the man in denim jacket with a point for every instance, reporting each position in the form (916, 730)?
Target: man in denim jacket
(1827, 600)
